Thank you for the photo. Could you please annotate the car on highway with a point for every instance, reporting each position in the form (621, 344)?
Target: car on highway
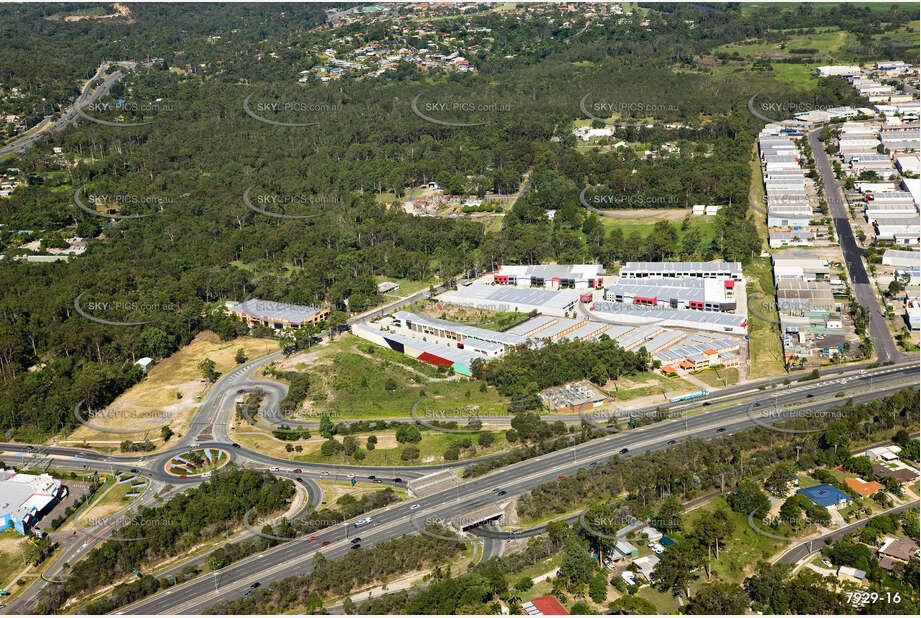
(593, 464)
(502, 493)
(325, 473)
(182, 476)
(356, 546)
(670, 442)
(721, 430)
(414, 507)
(298, 479)
(362, 522)
(398, 480)
(313, 538)
(241, 391)
(757, 405)
(275, 469)
(134, 470)
(357, 539)
(560, 477)
(297, 470)
(624, 450)
(324, 543)
(371, 477)
(496, 489)
(378, 481)
(809, 395)
(235, 445)
(516, 532)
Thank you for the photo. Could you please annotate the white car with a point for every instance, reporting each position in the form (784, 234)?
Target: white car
(827, 563)
(275, 469)
(414, 507)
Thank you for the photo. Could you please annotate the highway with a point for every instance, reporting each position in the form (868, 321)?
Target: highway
(87, 95)
(883, 344)
(296, 557)
(733, 408)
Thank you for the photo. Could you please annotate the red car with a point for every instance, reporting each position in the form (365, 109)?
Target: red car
(560, 477)
(313, 538)
(324, 543)
(297, 470)
(182, 476)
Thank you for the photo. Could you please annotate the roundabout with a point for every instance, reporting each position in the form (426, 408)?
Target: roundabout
(197, 462)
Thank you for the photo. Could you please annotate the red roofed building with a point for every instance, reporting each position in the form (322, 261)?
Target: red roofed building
(863, 487)
(548, 606)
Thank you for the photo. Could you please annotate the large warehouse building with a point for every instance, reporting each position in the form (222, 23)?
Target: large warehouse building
(678, 318)
(705, 270)
(278, 315)
(24, 498)
(502, 298)
(551, 276)
(683, 293)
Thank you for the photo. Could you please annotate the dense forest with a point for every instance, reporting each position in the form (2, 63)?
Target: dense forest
(189, 167)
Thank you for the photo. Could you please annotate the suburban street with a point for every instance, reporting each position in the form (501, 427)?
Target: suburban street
(806, 548)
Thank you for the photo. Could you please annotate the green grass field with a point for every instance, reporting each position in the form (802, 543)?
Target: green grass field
(752, 7)
(664, 387)
(766, 350)
(741, 551)
(431, 450)
(644, 226)
(346, 381)
(726, 376)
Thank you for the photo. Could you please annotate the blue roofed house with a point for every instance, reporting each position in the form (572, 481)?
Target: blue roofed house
(825, 495)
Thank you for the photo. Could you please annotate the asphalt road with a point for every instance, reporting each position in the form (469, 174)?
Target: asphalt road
(86, 96)
(863, 289)
(801, 551)
(213, 416)
(296, 557)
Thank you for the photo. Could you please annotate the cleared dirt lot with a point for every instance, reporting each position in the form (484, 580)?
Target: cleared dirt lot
(155, 401)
